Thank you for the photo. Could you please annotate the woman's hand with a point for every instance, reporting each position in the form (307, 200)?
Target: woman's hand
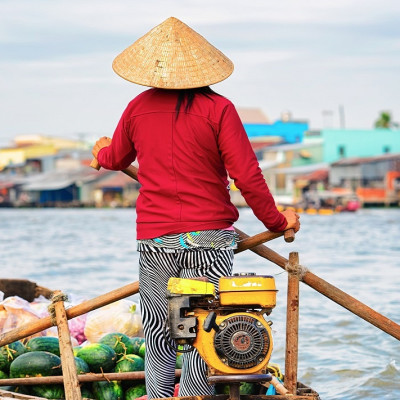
(102, 142)
(293, 220)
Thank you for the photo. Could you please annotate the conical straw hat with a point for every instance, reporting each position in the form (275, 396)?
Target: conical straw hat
(172, 56)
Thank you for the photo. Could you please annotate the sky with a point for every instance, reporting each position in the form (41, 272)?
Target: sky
(312, 58)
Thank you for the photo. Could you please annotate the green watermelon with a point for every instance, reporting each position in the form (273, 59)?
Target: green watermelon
(76, 349)
(35, 363)
(86, 392)
(136, 343)
(100, 357)
(119, 342)
(245, 388)
(44, 343)
(10, 352)
(3, 375)
(142, 350)
(179, 360)
(130, 363)
(135, 391)
(49, 391)
(81, 366)
(105, 390)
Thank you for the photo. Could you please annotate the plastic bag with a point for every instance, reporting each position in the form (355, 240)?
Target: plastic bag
(15, 312)
(121, 316)
(76, 325)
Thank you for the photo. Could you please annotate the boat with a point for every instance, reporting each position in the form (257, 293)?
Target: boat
(29, 290)
(324, 203)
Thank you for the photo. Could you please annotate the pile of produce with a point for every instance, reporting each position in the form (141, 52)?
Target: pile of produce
(40, 356)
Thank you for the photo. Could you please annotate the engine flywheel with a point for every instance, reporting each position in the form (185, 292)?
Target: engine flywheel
(242, 341)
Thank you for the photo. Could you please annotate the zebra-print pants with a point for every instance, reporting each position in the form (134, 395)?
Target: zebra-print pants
(155, 270)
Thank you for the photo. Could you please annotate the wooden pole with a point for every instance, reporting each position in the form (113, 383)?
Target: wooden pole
(292, 325)
(71, 384)
(90, 377)
(89, 305)
(331, 292)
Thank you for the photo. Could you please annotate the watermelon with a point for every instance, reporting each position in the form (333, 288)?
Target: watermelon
(136, 343)
(9, 353)
(48, 391)
(76, 349)
(4, 362)
(179, 361)
(100, 357)
(81, 366)
(35, 363)
(105, 390)
(86, 392)
(130, 363)
(44, 343)
(142, 350)
(3, 375)
(135, 392)
(119, 342)
(245, 388)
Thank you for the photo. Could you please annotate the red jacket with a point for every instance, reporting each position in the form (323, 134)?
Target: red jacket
(183, 162)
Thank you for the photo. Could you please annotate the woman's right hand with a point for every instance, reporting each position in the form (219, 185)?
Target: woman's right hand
(293, 220)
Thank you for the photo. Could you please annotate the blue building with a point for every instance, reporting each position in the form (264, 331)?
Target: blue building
(258, 125)
(291, 131)
(349, 143)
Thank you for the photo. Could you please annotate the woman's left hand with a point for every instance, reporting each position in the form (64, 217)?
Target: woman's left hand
(102, 142)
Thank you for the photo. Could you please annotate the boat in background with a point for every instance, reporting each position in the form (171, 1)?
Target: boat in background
(326, 202)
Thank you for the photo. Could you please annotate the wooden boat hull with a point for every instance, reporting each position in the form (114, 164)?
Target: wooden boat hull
(23, 288)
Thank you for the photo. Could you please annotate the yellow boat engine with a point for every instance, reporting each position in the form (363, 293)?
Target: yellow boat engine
(229, 331)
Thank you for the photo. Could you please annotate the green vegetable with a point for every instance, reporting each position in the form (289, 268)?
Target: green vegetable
(130, 363)
(81, 366)
(49, 391)
(119, 342)
(179, 360)
(105, 390)
(135, 392)
(9, 353)
(3, 375)
(142, 350)
(44, 343)
(136, 343)
(100, 357)
(35, 363)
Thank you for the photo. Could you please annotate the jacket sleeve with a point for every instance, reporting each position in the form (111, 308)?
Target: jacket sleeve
(121, 152)
(242, 166)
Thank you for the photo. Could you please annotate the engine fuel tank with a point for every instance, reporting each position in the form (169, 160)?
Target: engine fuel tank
(248, 289)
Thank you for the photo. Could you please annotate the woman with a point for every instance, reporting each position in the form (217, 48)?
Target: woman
(185, 138)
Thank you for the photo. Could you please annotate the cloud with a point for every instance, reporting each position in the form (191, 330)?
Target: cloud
(302, 55)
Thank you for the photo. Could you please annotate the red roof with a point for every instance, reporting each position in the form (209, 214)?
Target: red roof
(260, 145)
(315, 176)
(116, 180)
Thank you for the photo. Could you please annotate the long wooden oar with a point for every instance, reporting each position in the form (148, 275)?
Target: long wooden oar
(338, 296)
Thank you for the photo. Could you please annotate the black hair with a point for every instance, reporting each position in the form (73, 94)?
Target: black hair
(187, 96)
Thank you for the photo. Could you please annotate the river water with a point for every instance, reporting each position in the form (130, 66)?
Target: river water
(87, 252)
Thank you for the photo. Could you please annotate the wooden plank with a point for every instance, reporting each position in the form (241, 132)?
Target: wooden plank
(90, 377)
(72, 389)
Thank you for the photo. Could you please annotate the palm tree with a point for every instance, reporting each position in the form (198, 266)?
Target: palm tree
(384, 120)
